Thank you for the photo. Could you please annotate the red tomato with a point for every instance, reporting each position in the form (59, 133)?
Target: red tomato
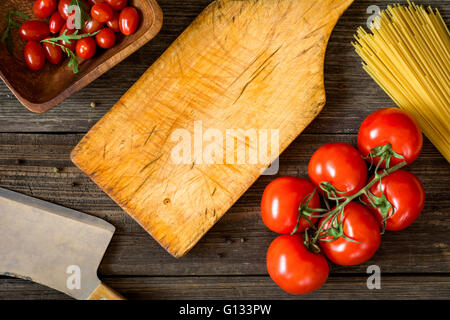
(34, 55)
(128, 20)
(113, 24)
(293, 267)
(280, 203)
(92, 26)
(102, 12)
(359, 225)
(106, 38)
(92, 2)
(72, 45)
(117, 4)
(86, 48)
(34, 30)
(406, 194)
(392, 126)
(56, 23)
(63, 8)
(44, 8)
(341, 165)
(53, 53)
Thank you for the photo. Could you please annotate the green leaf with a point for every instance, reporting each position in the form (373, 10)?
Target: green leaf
(10, 43)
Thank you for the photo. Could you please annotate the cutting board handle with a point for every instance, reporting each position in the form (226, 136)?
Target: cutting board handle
(103, 292)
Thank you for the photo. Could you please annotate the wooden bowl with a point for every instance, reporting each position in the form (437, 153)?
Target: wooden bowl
(39, 91)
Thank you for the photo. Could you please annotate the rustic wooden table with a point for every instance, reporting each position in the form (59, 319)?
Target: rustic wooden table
(229, 263)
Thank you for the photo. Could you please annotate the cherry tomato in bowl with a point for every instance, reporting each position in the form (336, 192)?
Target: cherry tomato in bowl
(106, 38)
(393, 126)
(34, 30)
(363, 230)
(44, 8)
(341, 165)
(34, 55)
(86, 48)
(405, 192)
(280, 203)
(128, 20)
(63, 8)
(93, 2)
(293, 267)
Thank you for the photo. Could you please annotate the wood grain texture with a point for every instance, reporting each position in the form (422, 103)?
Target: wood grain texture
(32, 88)
(352, 287)
(246, 65)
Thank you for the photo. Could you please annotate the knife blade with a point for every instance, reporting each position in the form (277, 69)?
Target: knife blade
(53, 245)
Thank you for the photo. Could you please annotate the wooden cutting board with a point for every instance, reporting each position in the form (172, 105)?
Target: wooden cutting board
(246, 65)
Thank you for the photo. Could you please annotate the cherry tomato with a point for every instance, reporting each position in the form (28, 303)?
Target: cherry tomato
(92, 26)
(63, 8)
(117, 4)
(56, 23)
(53, 53)
(341, 165)
(34, 55)
(359, 225)
(293, 267)
(106, 38)
(86, 48)
(34, 30)
(406, 194)
(113, 24)
(280, 203)
(392, 126)
(72, 45)
(102, 12)
(71, 23)
(128, 20)
(44, 8)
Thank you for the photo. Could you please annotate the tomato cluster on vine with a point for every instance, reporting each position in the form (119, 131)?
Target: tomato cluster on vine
(57, 32)
(346, 226)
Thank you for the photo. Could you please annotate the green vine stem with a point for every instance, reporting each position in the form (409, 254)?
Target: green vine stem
(336, 215)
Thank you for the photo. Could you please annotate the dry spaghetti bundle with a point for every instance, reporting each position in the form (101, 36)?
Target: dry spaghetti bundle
(407, 53)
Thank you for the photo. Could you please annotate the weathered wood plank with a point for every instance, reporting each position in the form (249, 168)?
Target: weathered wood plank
(423, 248)
(246, 288)
(351, 93)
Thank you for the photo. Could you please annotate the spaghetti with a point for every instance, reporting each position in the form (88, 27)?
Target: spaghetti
(408, 54)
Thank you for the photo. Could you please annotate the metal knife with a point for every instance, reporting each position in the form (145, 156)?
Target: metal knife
(54, 246)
